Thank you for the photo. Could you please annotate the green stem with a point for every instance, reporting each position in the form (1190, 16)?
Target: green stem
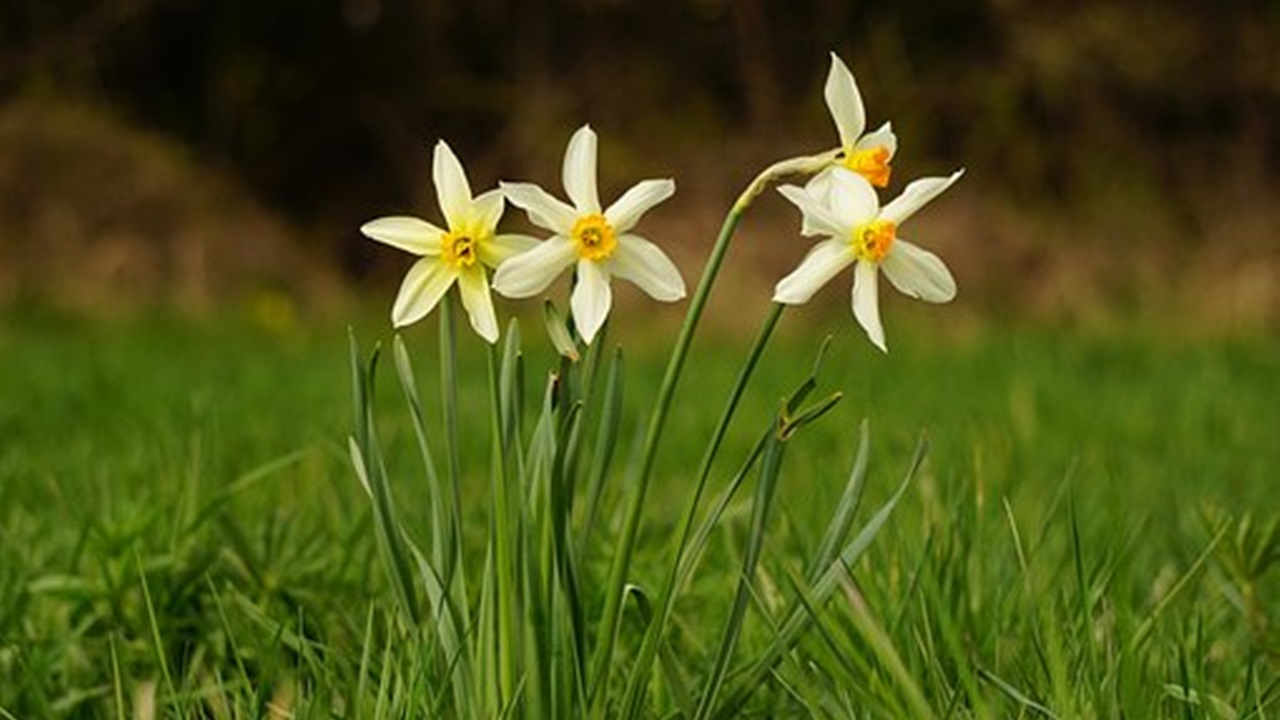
(622, 560)
(449, 394)
(507, 611)
(666, 599)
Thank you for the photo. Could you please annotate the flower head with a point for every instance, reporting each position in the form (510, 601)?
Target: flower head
(599, 242)
(868, 155)
(859, 232)
(459, 254)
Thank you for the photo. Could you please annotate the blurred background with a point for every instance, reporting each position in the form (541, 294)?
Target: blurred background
(1123, 158)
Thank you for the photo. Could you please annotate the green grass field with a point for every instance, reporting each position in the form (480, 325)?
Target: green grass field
(1094, 532)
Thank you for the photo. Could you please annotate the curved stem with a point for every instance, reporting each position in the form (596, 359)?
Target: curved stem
(666, 598)
(622, 560)
(449, 397)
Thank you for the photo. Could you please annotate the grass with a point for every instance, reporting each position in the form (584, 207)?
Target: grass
(1093, 533)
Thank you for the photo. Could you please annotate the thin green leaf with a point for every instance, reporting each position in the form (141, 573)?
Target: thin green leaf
(771, 466)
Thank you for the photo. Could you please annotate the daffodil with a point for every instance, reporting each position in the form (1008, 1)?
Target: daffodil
(868, 155)
(861, 233)
(458, 255)
(599, 242)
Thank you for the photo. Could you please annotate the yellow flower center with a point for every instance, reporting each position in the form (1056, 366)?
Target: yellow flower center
(458, 249)
(872, 164)
(871, 242)
(594, 237)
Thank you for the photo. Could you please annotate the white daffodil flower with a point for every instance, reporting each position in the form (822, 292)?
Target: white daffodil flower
(868, 155)
(599, 242)
(860, 231)
(459, 254)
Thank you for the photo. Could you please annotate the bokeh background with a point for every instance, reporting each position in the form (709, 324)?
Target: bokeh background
(1123, 157)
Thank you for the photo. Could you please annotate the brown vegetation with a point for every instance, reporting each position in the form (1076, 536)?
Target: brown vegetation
(1123, 157)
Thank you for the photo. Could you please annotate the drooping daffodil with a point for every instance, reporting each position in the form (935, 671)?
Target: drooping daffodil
(861, 233)
(599, 242)
(461, 254)
(867, 154)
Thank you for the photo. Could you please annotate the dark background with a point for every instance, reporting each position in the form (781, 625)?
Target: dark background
(1117, 152)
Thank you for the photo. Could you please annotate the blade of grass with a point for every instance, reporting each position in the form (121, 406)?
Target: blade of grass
(443, 532)
(1015, 694)
(606, 442)
(157, 643)
(798, 618)
(766, 482)
(117, 682)
(1148, 623)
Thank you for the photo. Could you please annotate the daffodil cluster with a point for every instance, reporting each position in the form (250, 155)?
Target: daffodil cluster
(598, 242)
(840, 204)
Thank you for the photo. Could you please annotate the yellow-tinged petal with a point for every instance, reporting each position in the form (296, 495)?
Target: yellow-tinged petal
(452, 189)
(641, 262)
(918, 273)
(407, 233)
(591, 299)
(579, 172)
(499, 248)
(530, 272)
(485, 212)
(423, 286)
(544, 210)
(474, 289)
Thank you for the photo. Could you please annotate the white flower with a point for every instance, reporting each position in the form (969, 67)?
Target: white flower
(599, 242)
(459, 254)
(860, 231)
(868, 155)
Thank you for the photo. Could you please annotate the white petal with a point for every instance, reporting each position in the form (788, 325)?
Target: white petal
(479, 305)
(499, 248)
(579, 171)
(845, 103)
(626, 211)
(407, 233)
(591, 299)
(486, 211)
(452, 189)
(866, 302)
(882, 137)
(918, 272)
(643, 263)
(818, 218)
(915, 196)
(423, 286)
(529, 273)
(544, 210)
(851, 198)
(823, 262)
(819, 185)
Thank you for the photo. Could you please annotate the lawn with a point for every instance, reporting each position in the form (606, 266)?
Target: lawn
(180, 526)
